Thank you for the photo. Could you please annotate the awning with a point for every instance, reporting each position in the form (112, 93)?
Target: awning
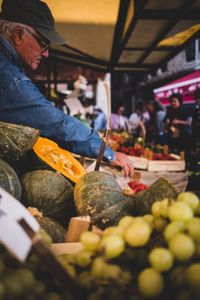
(185, 85)
(123, 35)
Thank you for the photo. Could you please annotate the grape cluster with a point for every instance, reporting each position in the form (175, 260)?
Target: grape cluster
(154, 256)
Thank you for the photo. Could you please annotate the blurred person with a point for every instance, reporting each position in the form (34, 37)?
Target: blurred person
(154, 125)
(118, 121)
(136, 121)
(178, 125)
(99, 120)
(26, 30)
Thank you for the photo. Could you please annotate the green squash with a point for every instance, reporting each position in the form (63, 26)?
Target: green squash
(50, 192)
(16, 140)
(50, 226)
(95, 192)
(9, 180)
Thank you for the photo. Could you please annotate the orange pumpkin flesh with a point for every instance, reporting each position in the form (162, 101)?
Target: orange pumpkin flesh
(59, 159)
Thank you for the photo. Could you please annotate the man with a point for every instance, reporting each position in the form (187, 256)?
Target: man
(26, 29)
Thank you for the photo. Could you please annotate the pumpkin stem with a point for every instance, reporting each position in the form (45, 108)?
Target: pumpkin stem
(35, 212)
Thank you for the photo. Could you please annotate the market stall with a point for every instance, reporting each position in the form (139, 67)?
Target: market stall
(108, 237)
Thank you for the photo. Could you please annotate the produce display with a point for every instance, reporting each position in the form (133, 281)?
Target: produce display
(155, 256)
(146, 245)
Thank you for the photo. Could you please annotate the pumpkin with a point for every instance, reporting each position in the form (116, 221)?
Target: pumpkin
(50, 192)
(54, 229)
(9, 180)
(59, 159)
(16, 140)
(95, 192)
(137, 204)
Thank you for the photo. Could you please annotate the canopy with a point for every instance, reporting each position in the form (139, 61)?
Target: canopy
(185, 85)
(123, 35)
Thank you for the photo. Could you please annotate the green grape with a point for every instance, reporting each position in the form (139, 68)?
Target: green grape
(102, 270)
(156, 209)
(193, 276)
(180, 211)
(126, 221)
(137, 234)
(182, 246)
(67, 265)
(190, 199)
(193, 228)
(97, 266)
(148, 219)
(110, 271)
(90, 240)
(113, 230)
(112, 246)
(161, 259)
(164, 207)
(159, 224)
(173, 228)
(39, 288)
(13, 286)
(27, 279)
(85, 279)
(84, 258)
(150, 283)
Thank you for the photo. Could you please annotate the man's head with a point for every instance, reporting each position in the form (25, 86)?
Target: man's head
(29, 27)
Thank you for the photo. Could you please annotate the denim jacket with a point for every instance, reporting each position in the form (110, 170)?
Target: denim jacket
(22, 103)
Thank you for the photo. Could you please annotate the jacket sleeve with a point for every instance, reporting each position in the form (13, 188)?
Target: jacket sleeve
(24, 104)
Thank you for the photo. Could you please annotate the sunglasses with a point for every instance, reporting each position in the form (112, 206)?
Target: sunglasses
(44, 45)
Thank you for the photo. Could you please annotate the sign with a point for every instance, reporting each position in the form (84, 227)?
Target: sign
(12, 235)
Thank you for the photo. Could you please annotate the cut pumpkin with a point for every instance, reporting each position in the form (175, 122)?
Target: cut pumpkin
(59, 159)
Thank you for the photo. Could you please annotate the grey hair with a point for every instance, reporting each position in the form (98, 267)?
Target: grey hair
(6, 27)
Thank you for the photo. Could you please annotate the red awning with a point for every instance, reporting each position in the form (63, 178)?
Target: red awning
(186, 86)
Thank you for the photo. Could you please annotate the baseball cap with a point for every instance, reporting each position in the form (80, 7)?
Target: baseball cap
(34, 13)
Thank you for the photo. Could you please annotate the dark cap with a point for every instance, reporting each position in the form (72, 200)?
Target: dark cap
(34, 13)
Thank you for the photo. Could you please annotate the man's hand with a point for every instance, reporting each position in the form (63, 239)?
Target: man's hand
(124, 162)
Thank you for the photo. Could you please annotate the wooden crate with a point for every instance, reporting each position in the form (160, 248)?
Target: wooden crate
(166, 165)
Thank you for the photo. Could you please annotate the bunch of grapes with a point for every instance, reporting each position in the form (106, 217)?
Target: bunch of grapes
(152, 256)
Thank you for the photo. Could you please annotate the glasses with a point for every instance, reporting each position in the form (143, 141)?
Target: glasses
(44, 45)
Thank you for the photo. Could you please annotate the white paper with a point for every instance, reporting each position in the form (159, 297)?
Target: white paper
(15, 210)
(13, 237)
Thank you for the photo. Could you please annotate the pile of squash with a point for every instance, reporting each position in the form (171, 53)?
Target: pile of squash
(42, 176)
(48, 191)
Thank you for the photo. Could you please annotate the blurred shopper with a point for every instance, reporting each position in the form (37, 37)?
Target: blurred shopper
(136, 121)
(118, 121)
(154, 126)
(26, 29)
(99, 120)
(196, 124)
(178, 125)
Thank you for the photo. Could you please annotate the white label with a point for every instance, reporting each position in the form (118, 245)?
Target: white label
(15, 210)
(13, 237)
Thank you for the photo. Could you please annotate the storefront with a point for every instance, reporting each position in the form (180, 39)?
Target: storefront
(186, 86)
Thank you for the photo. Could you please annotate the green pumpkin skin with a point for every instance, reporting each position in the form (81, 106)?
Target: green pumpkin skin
(50, 193)
(9, 180)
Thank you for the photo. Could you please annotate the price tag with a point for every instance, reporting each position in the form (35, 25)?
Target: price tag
(13, 237)
(14, 209)
(12, 234)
